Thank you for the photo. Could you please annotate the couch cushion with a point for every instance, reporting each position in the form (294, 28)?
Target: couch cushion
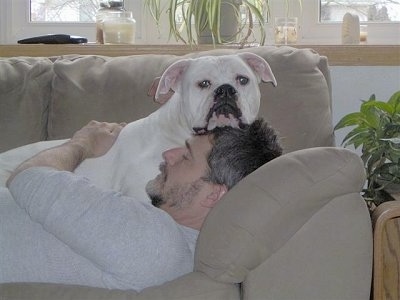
(101, 88)
(115, 89)
(263, 211)
(25, 85)
(300, 107)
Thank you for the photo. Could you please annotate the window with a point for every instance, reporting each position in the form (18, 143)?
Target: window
(367, 10)
(25, 18)
(319, 20)
(63, 10)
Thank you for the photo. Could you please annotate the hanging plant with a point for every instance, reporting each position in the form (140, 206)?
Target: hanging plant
(206, 15)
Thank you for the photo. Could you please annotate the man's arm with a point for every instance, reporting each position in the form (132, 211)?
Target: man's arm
(93, 140)
(132, 243)
(107, 229)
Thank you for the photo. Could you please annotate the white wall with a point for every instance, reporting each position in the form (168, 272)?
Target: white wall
(351, 84)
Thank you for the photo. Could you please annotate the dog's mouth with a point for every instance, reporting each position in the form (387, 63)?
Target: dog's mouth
(223, 112)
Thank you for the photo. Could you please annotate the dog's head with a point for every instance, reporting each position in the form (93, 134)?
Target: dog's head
(215, 91)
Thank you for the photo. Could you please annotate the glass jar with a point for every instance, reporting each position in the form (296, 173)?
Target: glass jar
(106, 7)
(119, 28)
(286, 30)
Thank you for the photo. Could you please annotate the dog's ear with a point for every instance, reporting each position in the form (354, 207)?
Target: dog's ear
(162, 98)
(260, 66)
(170, 79)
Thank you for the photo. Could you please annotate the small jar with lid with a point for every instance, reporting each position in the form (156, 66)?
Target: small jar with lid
(119, 28)
(106, 6)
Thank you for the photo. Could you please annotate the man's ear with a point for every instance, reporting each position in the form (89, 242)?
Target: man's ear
(217, 191)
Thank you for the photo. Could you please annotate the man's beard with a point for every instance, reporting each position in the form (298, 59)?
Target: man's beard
(156, 199)
(178, 196)
(154, 186)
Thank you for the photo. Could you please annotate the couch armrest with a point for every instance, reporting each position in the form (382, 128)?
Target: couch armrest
(386, 222)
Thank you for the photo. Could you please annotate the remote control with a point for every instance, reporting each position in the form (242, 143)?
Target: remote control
(54, 39)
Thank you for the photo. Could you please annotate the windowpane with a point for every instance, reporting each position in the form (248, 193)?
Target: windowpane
(367, 10)
(63, 10)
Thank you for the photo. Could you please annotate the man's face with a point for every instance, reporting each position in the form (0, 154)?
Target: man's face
(180, 185)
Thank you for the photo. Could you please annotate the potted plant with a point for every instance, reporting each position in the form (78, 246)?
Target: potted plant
(208, 16)
(377, 131)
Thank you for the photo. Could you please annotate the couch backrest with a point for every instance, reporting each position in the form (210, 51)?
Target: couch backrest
(25, 92)
(50, 98)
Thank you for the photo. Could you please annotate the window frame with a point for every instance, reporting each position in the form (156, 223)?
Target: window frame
(312, 31)
(15, 26)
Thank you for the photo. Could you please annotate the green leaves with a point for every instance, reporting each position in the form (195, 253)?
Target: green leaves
(355, 118)
(202, 15)
(394, 101)
(154, 7)
(376, 128)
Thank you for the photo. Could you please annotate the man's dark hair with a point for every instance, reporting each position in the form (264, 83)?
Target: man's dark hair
(237, 152)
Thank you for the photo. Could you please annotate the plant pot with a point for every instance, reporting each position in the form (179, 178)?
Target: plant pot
(229, 25)
(396, 196)
(389, 187)
(393, 188)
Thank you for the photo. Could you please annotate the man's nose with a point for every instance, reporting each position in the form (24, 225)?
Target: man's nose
(173, 155)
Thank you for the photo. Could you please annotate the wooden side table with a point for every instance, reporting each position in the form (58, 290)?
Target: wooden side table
(386, 279)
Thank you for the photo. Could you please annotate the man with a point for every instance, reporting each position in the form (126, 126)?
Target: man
(73, 232)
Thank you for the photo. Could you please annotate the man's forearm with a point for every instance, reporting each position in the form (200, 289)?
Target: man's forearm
(92, 140)
(65, 157)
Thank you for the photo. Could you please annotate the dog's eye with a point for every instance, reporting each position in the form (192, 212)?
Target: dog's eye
(242, 80)
(204, 84)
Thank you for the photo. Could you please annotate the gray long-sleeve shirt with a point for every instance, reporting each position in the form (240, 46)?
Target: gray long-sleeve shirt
(66, 230)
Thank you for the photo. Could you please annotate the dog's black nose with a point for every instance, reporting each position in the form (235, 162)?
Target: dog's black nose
(225, 91)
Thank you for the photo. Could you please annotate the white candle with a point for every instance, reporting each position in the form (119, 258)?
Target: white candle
(119, 28)
(118, 33)
(350, 29)
(363, 33)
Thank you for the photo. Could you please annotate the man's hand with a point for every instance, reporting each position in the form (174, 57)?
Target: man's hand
(93, 140)
(96, 138)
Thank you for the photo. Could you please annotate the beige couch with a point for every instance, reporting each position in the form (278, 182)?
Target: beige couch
(296, 228)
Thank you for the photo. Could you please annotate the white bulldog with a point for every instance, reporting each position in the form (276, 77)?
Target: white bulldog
(199, 94)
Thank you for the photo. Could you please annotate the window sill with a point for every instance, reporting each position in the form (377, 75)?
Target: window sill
(338, 55)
